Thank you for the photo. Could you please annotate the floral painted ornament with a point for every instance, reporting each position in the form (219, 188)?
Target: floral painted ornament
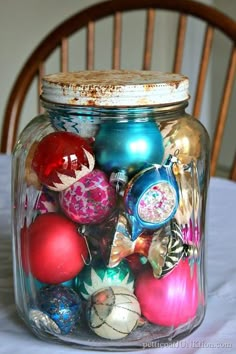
(90, 200)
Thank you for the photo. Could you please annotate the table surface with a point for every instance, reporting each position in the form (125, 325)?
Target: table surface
(217, 334)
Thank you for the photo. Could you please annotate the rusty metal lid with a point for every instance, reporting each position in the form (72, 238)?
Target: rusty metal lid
(113, 88)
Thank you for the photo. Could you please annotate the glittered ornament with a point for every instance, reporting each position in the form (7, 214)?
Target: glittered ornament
(172, 300)
(128, 145)
(61, 158)
(85, 126)
(90, 200)
(52, 249)
(113, 312)
(58, 310)
(97, 276)
(152, 197)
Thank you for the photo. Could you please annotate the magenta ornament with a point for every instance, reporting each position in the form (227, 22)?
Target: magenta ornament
(90, 200)
(172, 300)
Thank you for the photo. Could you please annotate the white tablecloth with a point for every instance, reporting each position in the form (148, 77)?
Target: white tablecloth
(217, 334)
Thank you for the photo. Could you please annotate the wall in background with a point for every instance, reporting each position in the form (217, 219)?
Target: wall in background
(24, 23)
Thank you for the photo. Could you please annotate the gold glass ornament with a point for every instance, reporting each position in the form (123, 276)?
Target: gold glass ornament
(183, 135)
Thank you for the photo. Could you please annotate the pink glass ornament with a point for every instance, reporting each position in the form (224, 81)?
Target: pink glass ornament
(172, 300)
(90, 200)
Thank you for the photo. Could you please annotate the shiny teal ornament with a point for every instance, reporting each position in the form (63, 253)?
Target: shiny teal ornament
(128, 145)
(97, 276)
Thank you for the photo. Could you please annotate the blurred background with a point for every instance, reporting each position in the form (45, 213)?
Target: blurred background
(24, 23)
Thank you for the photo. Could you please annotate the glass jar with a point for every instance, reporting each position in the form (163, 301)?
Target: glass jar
(109, 198)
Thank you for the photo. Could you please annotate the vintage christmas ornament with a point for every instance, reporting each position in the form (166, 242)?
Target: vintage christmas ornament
(172, 300)
(52, 249)
(168, 248)
(163, 249)
(97, 276)
(61, 158)
(183, 136)
(58, 310)
(152, 198)
(128, 145)
(119, 244)
(113, 312)
(113, 239)
(90, 200)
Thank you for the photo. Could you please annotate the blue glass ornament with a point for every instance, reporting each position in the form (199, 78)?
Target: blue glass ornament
(151, 198)
(59, 305)
(129, 146)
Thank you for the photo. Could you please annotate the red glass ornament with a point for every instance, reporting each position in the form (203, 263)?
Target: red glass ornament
(172, 300)
(62, 158)
(52, 249)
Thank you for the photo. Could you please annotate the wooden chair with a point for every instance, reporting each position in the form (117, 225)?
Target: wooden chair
(59, 38)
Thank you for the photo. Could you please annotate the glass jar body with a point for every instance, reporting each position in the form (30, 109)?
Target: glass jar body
(108, 225)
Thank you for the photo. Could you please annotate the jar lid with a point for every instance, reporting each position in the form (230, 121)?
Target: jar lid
(113, 88)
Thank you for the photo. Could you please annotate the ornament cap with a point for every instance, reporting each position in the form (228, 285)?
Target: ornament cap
(115, 88)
